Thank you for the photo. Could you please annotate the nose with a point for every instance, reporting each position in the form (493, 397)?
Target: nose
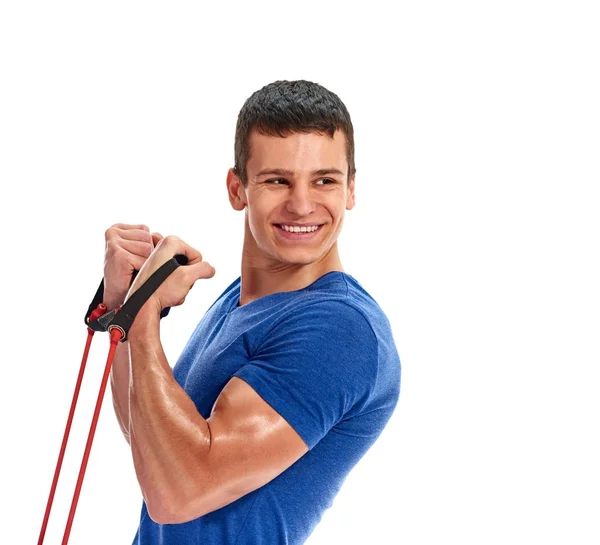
(300, 201)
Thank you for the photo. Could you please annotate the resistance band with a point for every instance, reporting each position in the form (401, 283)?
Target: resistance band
(117, 322)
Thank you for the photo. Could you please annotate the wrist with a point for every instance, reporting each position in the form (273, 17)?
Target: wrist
(112, 301)
(146, 324)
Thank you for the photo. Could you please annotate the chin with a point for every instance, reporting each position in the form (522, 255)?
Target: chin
(298, 258)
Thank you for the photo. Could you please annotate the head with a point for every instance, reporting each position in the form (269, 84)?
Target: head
(294, 170)
(282, 108)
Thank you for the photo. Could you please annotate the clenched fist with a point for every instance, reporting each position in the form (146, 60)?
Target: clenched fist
(173, 290)
(127, 249)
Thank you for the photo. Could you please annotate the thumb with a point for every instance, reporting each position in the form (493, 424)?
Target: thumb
(203, 269)
(156, 238)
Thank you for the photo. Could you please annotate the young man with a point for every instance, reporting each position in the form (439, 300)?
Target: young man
(292, 373)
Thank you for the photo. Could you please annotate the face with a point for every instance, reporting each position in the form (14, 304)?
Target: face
(295, 198)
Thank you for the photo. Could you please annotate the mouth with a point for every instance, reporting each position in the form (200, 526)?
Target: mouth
(297, 232)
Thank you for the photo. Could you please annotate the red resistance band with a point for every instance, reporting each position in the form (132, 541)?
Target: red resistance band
(117, 322)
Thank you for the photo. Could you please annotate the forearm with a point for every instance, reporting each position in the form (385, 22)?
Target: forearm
(168, 436)
(119, 373)
(119, 384)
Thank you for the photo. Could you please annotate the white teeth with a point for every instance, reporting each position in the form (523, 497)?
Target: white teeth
(298, 229)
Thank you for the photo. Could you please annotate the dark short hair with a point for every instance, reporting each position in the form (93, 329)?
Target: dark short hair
(284, 107)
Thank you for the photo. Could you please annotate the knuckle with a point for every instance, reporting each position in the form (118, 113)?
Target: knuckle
(119, 254)
(111, 246)
(147, 249)
(138, 263)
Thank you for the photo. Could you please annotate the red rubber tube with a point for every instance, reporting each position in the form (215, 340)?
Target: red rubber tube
(99, 311)
(115, 337)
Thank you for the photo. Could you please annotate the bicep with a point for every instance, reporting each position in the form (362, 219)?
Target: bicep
(250, 444)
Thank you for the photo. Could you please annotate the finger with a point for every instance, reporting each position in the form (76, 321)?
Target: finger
(193, 255)
(135, 234)
(177, 246)
(124, 266)
(156, 238)
(188, 274)
(123, 260)
(203, 269)
(138, 262)
(128, 226)
(137, 248)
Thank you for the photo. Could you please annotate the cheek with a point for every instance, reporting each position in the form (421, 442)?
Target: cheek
(337, 208)
(258, 217)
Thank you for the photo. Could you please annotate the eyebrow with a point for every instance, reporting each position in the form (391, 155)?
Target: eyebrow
(290, 173)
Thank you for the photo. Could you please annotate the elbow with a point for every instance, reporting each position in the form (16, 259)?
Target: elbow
(172, 516)
(183, 501)
(161, 507)
(162, 517)
(162, 513)
(175, 512)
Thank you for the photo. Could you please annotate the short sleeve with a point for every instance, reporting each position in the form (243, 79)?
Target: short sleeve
(317, 364)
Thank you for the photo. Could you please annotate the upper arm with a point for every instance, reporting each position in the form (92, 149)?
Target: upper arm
(250, 444)
(309, 373)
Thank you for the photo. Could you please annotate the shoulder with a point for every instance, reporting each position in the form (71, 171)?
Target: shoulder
(340, 296)
(326, 313)
(325, 333)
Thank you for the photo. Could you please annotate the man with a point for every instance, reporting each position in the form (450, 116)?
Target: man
(292, 373)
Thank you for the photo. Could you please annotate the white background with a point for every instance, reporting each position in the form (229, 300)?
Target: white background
(476, 228)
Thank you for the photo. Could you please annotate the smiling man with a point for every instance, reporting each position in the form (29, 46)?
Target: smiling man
(292, 373)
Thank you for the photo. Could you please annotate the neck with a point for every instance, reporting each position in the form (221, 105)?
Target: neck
(263, 275)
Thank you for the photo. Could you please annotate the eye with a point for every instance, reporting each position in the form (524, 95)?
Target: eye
(277, 181)
(326, 181)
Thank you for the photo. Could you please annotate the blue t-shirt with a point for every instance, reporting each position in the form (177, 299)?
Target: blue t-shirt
(325, 359)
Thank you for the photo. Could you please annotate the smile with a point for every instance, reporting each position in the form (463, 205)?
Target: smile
(297, 232)
(297, 228)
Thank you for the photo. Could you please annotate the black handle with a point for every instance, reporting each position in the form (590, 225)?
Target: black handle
(124, 318)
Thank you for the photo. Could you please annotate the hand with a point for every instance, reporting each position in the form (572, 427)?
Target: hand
(127, 248)
(173, 290)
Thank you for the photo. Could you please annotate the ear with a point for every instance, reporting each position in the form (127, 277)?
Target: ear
(235, 190)
(350, 194)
